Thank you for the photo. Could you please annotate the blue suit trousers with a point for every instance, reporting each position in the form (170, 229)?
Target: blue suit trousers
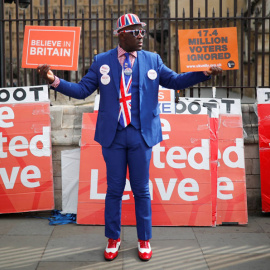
(128, 150)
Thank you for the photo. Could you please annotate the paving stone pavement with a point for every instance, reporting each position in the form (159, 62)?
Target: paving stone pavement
(27, 241)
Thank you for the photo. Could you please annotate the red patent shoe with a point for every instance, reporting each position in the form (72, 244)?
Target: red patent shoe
(111, 250)
(144, 248)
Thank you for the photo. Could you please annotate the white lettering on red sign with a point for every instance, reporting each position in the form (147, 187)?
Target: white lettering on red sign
(17, 146)
(238, 150)
(178, 153)
(227, 187)
(6, 113)
(184, 187)
(29, 172)
(94, 195)
(21, 143)
(179, 158)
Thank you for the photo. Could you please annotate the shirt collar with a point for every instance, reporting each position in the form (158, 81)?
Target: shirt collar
(121, 52)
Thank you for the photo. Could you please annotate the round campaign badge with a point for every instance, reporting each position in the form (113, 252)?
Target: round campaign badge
(104, 69)
(105, 79)
(128, 71)
(152, 74)
(231, 64)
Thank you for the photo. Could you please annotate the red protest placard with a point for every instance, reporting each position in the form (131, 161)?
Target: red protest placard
(229, 198)
(197, 173)
(26, 181)
(57, 46)
(263, 96)
(231, 182)
(211, 108)
(202, 48)
(180, 177)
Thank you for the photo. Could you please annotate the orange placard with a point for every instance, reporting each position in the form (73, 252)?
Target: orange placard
(26, 181)
(57, 46)
(202, 48)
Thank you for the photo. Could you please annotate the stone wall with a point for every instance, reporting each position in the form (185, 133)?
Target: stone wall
(66, 129)
(66, 122)
(252, 162)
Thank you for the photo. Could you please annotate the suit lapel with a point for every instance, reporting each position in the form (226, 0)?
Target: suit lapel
(114, 69)
(142, 68)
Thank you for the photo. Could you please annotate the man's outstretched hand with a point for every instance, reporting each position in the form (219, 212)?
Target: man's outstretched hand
(214, 71)
(45, 73)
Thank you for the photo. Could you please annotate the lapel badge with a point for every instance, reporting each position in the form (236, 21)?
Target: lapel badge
(128, 71)
(152, 74)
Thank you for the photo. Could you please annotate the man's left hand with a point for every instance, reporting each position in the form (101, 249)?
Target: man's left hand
(214, 71)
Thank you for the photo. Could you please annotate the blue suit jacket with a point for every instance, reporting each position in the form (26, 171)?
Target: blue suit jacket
(109, 94)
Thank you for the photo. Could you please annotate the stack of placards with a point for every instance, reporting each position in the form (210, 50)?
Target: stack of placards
(197, 173)
(26, 177)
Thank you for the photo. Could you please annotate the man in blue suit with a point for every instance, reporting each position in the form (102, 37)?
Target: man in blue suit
(128, 123)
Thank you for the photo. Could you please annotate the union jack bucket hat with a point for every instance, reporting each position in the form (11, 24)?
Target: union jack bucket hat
(127, 20)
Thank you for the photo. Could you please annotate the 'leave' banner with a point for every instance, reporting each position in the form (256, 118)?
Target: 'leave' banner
(197, 176)
(26, 180)
(180, 181)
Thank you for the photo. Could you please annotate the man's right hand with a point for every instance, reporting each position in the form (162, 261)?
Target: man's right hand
(45, 73)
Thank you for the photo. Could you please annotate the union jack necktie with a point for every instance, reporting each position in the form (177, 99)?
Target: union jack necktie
(125, 93)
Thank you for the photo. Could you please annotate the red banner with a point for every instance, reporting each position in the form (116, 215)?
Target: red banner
(26, 181)
(180, 179)
(231, 181)
(229, 199)
(263, 95)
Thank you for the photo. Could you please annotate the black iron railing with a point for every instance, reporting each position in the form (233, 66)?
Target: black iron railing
(97, 19)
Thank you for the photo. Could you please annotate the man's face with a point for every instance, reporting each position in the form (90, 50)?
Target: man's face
(128, 42)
